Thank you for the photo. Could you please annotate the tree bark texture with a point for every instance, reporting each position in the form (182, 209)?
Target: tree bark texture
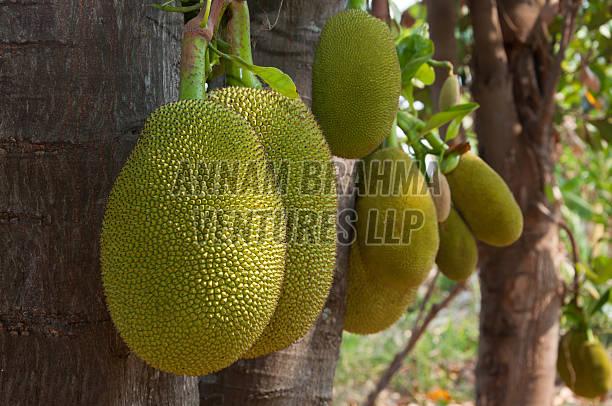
(285, 34)
(513, 67)
(77, 80)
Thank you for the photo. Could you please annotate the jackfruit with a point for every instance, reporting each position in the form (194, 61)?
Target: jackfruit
(372, 306)
(485, 202)
(458, 253)
(584, 365)
(355, 83)
(192, 264)
(441, 195)
(291, 137)
(397, 228)
(450, 94)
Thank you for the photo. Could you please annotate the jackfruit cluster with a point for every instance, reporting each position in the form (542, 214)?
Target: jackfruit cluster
(485, 202)
(584, 365)
(199, 263)
(356, 83)
(396, 242)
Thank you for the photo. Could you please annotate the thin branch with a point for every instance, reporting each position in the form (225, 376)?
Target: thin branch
(417, 332)
(575, 253)
(570, 9)
(426, 299)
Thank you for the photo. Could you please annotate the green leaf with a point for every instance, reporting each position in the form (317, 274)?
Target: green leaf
(426, 74)
(605, 298)
(275, 78)
(413, 51)
(457, 112)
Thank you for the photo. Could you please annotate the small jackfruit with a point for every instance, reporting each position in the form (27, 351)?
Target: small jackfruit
(441, 195)
(450, 94)
(192, 266)
(584, 365)
(485, 202)
(372, 306)
(458, 253)
(355, 83)
(397, 227)
(304, 170)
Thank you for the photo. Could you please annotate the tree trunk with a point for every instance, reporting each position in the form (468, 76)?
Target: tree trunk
(77, 80)
(513, 68)
(442, 19)
(285, 35)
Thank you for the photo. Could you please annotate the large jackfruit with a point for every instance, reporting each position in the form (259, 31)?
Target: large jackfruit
(397, 228)
(485, 202)
(584, 365)
(355, 83)
(305, 173)
(372, 306)
(458, 253)
(193, 260)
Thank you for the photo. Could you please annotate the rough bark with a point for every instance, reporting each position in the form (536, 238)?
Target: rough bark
(77, 80)
(520, 290)
(285, 35)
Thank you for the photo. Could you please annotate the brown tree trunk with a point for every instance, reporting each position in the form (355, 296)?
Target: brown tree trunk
(442, 19)
(77, 80)
(513, 74)
(285, 34)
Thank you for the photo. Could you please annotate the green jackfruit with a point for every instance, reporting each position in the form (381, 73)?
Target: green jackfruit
(450, 93)
(192, 270)
(458, 253)
(291, 137)
(397, 228)
(355, 83)
(584, 365)
(485, 202)
(441, 195)
(372, 306)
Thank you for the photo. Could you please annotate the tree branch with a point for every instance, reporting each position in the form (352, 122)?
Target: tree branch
(417, 332)
(570, 10)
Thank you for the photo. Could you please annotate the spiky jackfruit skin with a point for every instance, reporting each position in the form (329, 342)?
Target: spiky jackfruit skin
(584, 366)
(485, 202)
(190, 294)
(397, 227)
(372, 306)
(355, 83)
(290, 135)
(458, 254)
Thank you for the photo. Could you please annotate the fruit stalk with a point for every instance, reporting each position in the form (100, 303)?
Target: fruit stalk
(197, 34)
(238, 36)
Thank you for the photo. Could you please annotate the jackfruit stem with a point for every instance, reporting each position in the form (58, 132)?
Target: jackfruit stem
(356, 4)
(238, 36)
(197, 34)
(441, 64)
